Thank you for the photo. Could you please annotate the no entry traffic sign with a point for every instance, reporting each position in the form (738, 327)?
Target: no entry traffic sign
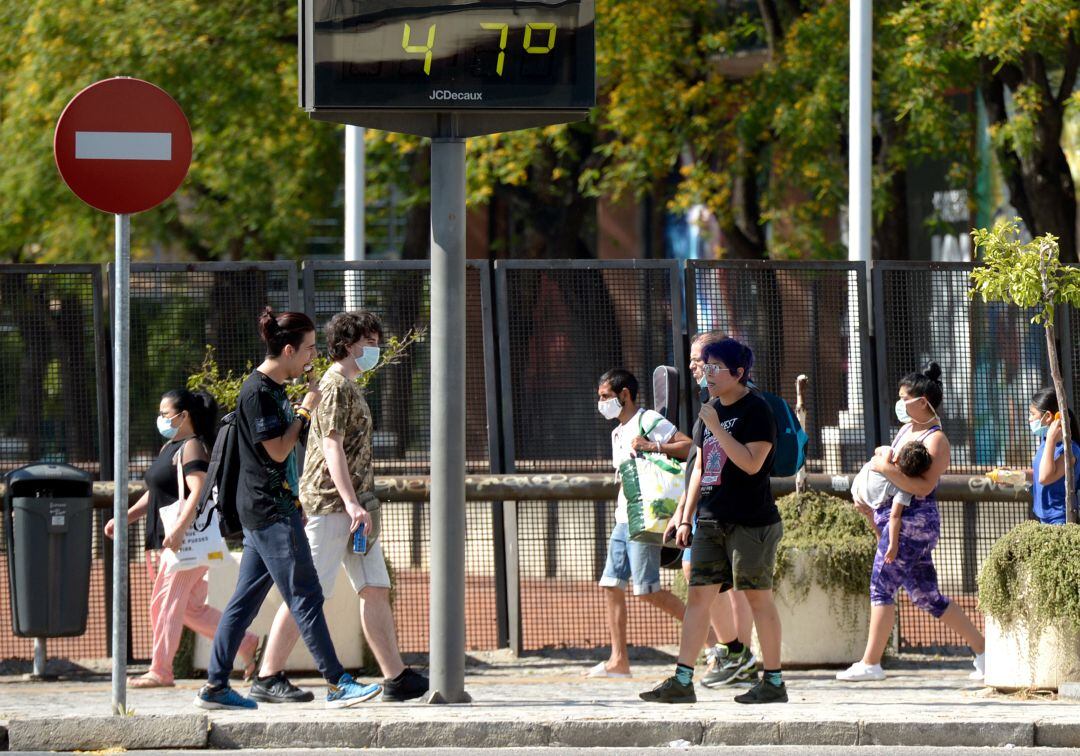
(122, 145)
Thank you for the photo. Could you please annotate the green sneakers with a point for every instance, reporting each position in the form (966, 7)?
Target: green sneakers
(729, 670)
(671, 691)
(764, 693)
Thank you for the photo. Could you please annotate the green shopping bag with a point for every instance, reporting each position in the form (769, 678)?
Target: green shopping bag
(653, 484)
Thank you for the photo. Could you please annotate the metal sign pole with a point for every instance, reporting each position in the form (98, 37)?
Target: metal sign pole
(121, 332)
(448, 421)
(354, 212)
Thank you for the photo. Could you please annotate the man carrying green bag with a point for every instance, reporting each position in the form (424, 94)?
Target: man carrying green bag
(632, 563)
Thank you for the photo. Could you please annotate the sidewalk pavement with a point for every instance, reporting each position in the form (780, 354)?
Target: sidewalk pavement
(542, 701)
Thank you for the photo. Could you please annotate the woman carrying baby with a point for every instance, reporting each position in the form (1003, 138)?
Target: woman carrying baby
(912, 565)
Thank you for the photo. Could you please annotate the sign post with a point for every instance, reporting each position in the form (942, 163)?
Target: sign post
(122, 146)
(447, 70)
(447, 662)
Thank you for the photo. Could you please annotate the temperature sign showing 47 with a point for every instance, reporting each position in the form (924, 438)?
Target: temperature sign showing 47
(401, 55)
(533, 32)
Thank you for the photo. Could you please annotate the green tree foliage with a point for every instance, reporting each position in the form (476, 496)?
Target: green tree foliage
(738, 106)
(1022, 58)
(261, 170)
(226, 388)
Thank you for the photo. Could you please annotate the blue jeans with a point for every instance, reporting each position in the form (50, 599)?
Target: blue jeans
(631, 561)
(277, 554)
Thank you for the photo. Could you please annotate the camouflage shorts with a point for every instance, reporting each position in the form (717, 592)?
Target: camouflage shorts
(735, 556)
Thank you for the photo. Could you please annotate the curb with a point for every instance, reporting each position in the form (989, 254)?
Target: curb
(195, 731)
(98, 733)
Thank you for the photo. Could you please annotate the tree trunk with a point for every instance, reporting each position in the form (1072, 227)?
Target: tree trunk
(1066, 426)
(1040, 184)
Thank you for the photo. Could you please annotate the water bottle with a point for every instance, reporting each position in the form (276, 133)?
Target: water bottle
(359, 540)
(1005, 477)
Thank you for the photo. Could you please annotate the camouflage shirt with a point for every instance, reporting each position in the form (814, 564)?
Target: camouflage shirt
(343, 409)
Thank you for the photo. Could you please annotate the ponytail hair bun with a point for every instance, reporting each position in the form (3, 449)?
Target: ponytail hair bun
(932, 371)
(283, 329)
(925, 383)
(268, 325)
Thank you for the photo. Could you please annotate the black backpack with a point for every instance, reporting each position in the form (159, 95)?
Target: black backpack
(222, 477)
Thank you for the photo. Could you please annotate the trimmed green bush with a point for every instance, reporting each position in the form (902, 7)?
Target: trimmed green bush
(1032, 577)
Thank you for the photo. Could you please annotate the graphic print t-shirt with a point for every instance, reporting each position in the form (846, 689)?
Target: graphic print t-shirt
(728, 494)
(267, 490)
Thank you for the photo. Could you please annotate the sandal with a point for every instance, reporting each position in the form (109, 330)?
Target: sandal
(601, 670)
(148, 681)
(252, 667)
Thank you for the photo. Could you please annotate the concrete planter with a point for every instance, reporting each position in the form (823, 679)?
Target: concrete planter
(818, 626)
(1014, 659)
(342, 610)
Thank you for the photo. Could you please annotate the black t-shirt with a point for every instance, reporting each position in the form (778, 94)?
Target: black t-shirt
(728, 494)
(160, 480)
(267, 491)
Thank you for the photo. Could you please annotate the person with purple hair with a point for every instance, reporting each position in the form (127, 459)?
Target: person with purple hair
(738, 524)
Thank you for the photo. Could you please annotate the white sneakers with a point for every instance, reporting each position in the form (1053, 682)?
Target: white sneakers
(980, 667)
(859, 672)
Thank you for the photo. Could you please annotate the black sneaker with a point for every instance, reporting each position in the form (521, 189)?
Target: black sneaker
(405, 687)
(763, 693)
(278, 689)
(730, 670)
(671, 691)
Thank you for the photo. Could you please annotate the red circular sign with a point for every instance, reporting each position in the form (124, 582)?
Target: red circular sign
(122, 145)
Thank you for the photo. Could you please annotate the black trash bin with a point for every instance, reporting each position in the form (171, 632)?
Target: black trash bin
(48, 516)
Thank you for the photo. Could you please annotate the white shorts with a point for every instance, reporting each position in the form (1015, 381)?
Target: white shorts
(331, 545)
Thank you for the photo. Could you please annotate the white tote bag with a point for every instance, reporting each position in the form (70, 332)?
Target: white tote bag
(203, 544)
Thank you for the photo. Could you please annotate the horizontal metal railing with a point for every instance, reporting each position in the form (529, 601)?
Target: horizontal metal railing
(603, 486)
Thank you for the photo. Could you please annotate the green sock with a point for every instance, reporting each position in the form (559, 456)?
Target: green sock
(684, 674)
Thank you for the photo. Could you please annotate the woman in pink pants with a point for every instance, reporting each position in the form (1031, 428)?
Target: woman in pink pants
(188, 423)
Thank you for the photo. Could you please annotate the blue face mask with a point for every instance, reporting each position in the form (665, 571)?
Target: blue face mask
(369, 359)
(165, 427)
(704, 383)
(1037, 428)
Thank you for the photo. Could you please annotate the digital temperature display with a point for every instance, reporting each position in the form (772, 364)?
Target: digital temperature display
(453, 56)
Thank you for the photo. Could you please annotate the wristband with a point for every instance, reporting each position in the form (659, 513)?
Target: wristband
(684, 525)
(304, 413)
(657, 447)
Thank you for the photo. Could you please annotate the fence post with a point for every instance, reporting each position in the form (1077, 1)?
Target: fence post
(496, 462)
(506, 420)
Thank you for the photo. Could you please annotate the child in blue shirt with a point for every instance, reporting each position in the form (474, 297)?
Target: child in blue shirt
(1048, 470)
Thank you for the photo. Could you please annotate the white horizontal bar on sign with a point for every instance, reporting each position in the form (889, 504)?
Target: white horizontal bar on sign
(123, 145)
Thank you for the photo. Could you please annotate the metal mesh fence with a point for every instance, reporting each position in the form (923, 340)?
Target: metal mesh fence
(561, 327)
(50, 320)
(406, 543)
(799, 319)
(400, 400)
(48, 339)
(992, 359)
(177, 311)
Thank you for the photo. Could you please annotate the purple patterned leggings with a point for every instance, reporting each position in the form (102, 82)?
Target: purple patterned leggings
(913, 570)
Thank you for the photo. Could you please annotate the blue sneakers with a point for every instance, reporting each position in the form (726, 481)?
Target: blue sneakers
(348, 692)
(222, 698)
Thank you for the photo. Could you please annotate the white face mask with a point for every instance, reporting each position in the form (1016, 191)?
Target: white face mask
(609, 408)
(902, 413)
(369, 359)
